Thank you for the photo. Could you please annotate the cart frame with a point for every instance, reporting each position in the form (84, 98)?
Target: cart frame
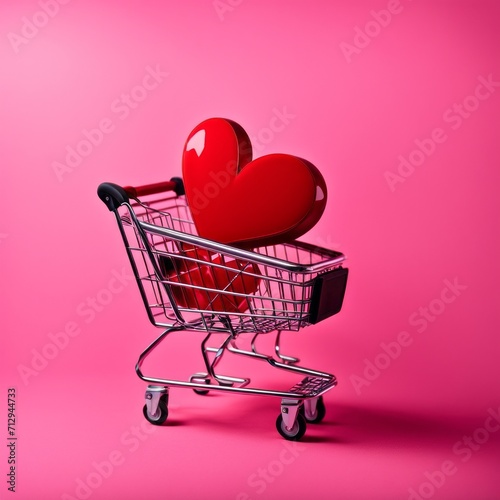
(264, 291)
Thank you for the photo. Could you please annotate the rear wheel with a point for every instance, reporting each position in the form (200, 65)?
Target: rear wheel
(201, 392)
(319, 413)
(296, 432)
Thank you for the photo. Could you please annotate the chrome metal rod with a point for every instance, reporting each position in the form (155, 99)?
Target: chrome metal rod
(336, 258)
(241, 390)
(277, 350)
(210, 365)
(152, 346)
(284, 366)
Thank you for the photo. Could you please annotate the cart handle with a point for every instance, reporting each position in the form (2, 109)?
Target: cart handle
(174, 184)
(114, 196)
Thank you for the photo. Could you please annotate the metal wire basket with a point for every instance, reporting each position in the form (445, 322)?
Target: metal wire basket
(191, 283)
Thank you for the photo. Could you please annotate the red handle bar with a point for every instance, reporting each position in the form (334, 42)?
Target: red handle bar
(175, 184)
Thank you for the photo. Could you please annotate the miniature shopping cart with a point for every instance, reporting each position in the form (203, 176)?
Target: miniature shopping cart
(189, 283)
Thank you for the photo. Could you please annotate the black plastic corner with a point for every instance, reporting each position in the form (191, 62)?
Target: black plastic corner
(179, 186)
(328, 294)
(112, 195)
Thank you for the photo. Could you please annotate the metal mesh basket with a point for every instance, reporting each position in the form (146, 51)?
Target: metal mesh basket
(191, 283)
(185, 279)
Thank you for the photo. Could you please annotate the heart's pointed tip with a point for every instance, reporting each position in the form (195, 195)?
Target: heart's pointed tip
(197, 142)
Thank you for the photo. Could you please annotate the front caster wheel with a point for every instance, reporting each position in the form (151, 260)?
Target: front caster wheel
(161, 412)
(319, 413)
(296, 432)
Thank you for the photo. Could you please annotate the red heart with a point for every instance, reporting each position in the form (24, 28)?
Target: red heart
(198, 274)
(273, 199)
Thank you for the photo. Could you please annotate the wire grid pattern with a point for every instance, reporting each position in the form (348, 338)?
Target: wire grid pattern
(214, 291)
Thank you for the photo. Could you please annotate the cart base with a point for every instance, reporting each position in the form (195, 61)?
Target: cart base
(302, 404)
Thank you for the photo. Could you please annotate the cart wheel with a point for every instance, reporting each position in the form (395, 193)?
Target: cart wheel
(296, 432)
(161, 413)
(201, 392)
(319, 414)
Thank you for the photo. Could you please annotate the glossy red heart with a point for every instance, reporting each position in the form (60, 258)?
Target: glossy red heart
(273, 199)
(205, 271)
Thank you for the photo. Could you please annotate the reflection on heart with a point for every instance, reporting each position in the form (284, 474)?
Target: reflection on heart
(273, 199)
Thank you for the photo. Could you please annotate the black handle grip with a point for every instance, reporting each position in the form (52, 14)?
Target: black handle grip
(112, 195)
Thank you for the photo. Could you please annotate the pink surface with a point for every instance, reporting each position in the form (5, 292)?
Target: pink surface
(403, 123)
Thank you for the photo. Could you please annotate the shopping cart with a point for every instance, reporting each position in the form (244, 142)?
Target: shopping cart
(189, 283)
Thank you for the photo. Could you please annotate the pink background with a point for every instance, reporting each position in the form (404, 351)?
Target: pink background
(353, 117)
